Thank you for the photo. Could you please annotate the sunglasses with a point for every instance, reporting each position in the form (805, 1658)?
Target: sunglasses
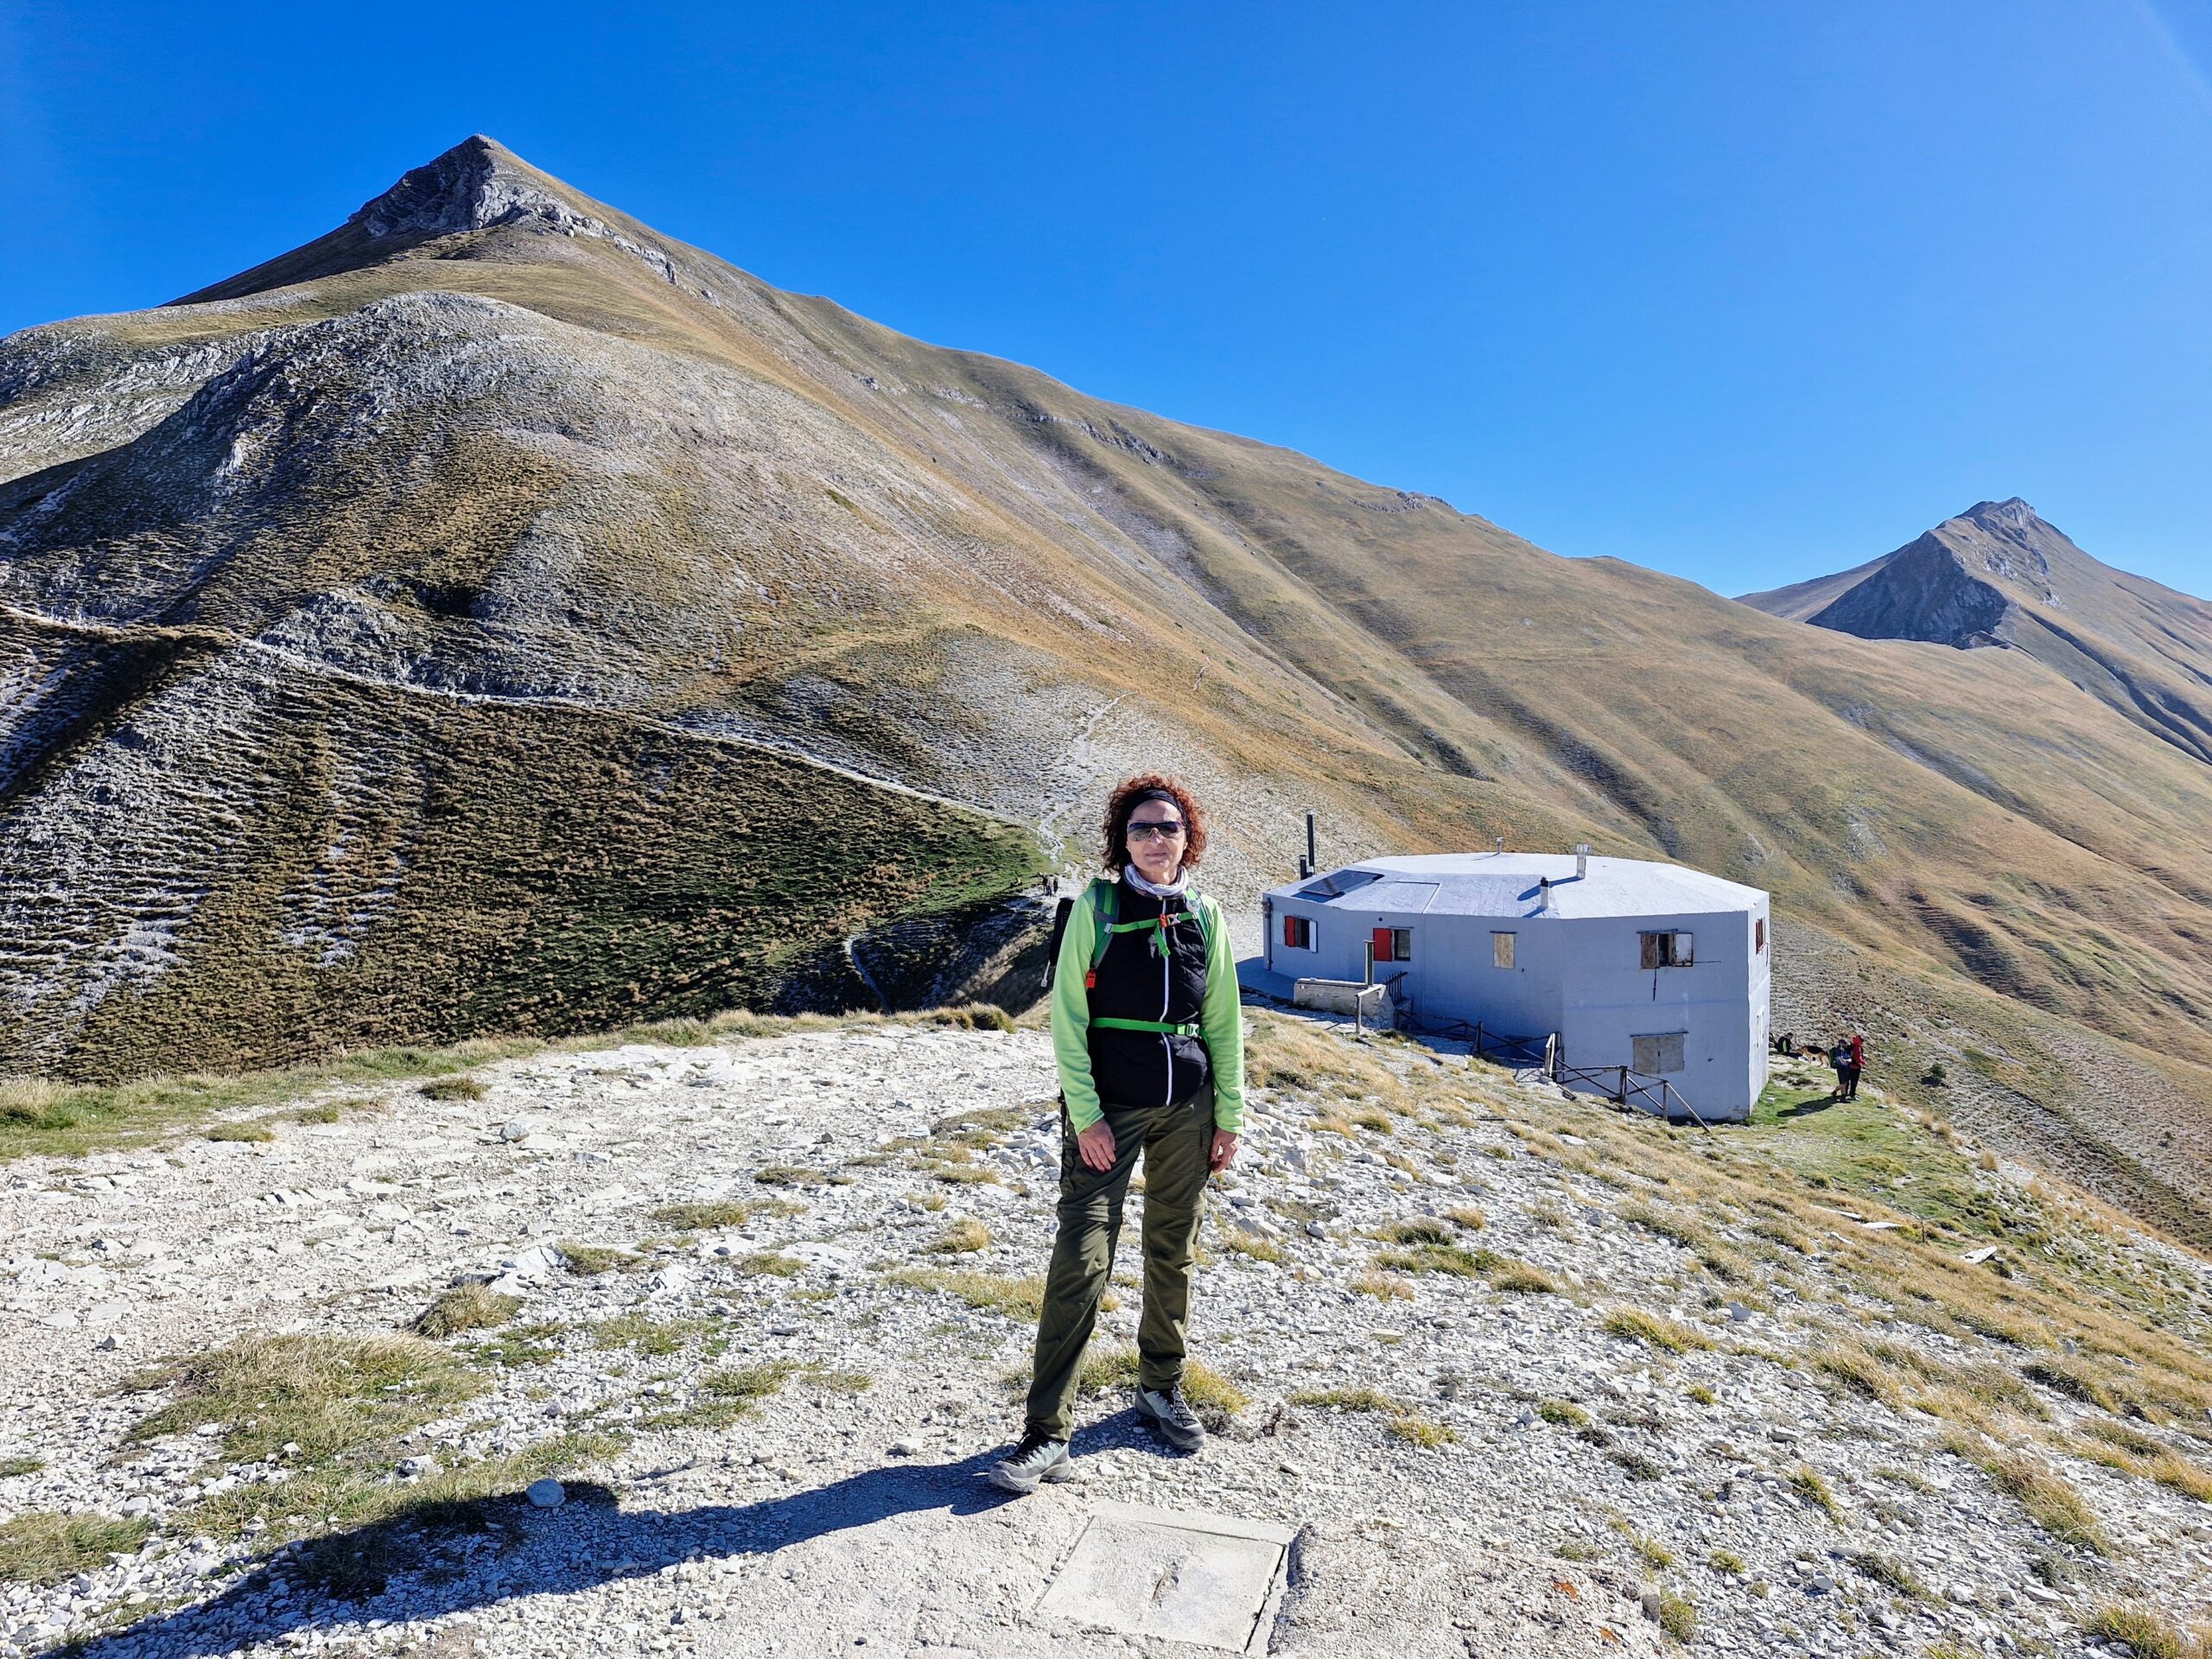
(1144, 831)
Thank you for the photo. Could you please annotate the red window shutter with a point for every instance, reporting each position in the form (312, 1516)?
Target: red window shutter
(1381, 944)
(1290, 929)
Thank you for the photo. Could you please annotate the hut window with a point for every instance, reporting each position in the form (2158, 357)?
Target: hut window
(1298, 933)
(1758, 935)
(1658, 1054)
(1668, 950)
(1501, 949)
(1394, 944)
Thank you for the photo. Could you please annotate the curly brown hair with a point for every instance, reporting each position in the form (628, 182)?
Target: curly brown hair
(1128, 794)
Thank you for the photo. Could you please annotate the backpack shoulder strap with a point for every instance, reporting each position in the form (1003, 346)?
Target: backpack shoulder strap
(1103, 896)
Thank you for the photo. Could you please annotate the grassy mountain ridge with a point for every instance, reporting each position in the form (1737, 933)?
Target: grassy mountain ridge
(516, 449)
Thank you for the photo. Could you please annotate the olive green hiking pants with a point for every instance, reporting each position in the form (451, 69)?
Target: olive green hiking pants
(1176, 1141)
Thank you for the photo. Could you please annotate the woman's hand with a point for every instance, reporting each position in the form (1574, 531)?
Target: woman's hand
(1095, 1144)
(1223, 1153)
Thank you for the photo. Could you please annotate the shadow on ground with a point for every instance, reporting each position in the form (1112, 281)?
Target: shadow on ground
(588, 1541)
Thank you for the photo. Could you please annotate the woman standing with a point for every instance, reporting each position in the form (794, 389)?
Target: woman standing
(1149, 1037)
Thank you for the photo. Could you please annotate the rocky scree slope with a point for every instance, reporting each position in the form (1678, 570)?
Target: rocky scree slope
(494, 458)
(1526, 1377)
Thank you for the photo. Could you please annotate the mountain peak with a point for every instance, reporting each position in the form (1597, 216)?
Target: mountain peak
(2012, 514)
(473, 185)
(478, 185)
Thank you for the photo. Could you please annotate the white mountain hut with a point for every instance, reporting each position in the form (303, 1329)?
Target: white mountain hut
(1633, 974)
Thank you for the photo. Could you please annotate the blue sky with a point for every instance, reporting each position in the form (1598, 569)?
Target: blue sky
(1741, 292)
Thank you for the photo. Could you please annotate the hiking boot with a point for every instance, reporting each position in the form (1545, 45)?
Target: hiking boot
(1170, 1414)
(1038, 1458)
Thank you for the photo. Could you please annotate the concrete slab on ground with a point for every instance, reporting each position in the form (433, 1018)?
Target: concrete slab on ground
(1195, 1577)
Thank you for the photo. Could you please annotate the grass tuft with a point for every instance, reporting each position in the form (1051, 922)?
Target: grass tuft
(701, 1218)
(2148, 1635)
(964, 1235)
(1020, 1300)
(330, 1395)
(466, 1307)
(1653, 1331)
(1812, 1485)
(45, 1547)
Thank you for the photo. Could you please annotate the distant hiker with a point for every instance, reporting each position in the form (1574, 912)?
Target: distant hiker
(1846, 1076)
(1149, 1036)
(1858, 1064)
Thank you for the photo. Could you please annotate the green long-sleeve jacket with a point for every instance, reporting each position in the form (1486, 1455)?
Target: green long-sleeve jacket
(1221, 1020)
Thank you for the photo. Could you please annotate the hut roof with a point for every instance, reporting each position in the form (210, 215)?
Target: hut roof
(1510, 884)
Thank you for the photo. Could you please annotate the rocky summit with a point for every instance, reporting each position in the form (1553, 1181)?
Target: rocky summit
(702, 1343)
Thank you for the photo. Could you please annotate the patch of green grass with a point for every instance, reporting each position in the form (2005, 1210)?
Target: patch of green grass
(788, 1175)
(1469, 1216)
(1678, 1616)
(643, 1334)
(1419, 1229)
(1257, 1247)
(1020, 1300)
(466, 1307)
(1383, 1287)
(1522, 1278)
(329, 1394)
(1650, 1551)
(1702, 1395)
(1893, 1572)
(242, 1130)
(963, 1237)
(1727, 1560)
(2051, 1503)
(1454, 1259)
(1812, 1485)
(2148, 1635)
(1653, 1331)
(588, 1261)
(774, 1263)
(1398, 1417)
(323, 1113)
(460, 1088)
(45, 1547)
(1636, 1465)
(528, 1344)
(1564, 1413)
(701, 1218)
(10, 1467)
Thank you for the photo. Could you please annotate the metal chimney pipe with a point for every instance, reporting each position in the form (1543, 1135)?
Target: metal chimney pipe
(1581, 860)
(1313, 857)
(1543, 894)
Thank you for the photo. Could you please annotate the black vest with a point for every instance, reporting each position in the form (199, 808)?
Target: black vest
(1135, 982)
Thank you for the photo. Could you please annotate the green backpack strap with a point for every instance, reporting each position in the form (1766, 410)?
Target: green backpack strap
(1104, 905)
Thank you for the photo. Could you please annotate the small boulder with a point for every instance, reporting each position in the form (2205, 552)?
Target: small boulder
(547, 1494)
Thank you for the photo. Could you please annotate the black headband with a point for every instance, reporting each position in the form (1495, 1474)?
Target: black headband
(1144, 794)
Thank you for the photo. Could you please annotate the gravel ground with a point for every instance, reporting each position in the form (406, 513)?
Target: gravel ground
(853, 1519)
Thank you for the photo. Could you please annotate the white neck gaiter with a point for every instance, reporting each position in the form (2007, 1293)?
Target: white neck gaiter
(1156, 890)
